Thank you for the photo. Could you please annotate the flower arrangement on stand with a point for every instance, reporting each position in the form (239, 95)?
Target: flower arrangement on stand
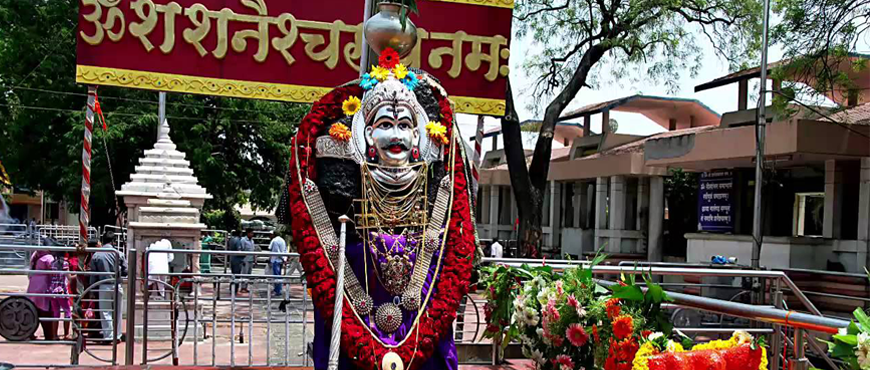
(852, 343)
(568, 320)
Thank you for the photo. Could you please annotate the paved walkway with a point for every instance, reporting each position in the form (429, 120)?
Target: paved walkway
(261, 344)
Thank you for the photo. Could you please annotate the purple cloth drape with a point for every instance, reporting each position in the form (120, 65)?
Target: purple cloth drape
(444, 356)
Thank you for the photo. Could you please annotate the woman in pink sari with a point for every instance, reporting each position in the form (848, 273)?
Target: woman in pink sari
(47, 306)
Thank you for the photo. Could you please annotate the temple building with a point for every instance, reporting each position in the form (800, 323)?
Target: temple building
(606, 189)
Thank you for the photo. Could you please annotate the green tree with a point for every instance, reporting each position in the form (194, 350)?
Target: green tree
(238, 148)
(651, 39)
(818, 37)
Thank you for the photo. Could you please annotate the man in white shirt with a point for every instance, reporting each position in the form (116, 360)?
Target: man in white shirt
(496, 250)
(158, 263)
(277, 245)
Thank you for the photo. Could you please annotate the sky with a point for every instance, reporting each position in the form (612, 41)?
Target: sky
(721, 99)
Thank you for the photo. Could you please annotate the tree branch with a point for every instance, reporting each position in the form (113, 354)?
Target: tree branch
(540, 167)
(515, 155)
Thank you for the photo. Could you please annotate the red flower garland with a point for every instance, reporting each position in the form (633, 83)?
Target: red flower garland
(452, 283)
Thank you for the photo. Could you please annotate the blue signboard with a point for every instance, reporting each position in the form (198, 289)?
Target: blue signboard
(715, 202)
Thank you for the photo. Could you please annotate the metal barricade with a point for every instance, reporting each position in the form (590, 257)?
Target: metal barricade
(105, 307)
(64, 234)
(224, 319)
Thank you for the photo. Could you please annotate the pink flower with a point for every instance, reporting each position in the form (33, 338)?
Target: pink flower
(564, 362)
(557, 340)
(573, 302)
(559, 287)
(577, 335)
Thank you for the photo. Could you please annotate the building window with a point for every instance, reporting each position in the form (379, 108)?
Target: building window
(809, 211)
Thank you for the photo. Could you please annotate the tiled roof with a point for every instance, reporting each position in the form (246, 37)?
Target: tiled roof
(858, 115)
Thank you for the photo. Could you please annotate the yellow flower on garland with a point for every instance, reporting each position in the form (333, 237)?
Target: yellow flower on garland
(351, 106)
(400, 71)
(340, 132)
(379, 73)
(437, 132)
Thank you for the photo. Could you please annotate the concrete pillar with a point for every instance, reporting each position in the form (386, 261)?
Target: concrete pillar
(642, 219)
(742, 94)
(483, 217)
(494, 195)
(579, 201)
(617, 212)
(601, 194)
(556, 206)
(605, 121)
(864, 213)
(656, 218)
(833, 200)
(587, 125)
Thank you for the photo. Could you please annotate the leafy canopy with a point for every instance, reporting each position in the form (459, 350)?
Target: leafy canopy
(657, 39)
(238, 148)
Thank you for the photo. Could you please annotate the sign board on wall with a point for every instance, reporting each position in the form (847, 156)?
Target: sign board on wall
(290, 50)
(716, 201)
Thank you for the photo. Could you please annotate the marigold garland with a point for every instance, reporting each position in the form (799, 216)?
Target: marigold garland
(734, 350)
(357, 341)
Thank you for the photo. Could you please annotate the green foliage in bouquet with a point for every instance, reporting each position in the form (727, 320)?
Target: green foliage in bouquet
(567, 319)
(852, 344)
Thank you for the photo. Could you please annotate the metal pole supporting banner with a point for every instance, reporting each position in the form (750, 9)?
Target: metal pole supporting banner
(364, 56)
(161, 111)
(84, 209)
(760, 127)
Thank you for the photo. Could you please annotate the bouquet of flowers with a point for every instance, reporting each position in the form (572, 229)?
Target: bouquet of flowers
(568, 320)
(852, 343)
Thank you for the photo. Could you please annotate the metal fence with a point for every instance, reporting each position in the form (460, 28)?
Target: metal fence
(96, 301)
(205, 319)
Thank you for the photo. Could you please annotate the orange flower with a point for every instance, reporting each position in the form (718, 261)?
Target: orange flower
(612, 307)
(340, 132)
(623, 326)
(595, 333)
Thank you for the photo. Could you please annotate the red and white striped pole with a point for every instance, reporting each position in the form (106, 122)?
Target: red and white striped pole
(85, 210)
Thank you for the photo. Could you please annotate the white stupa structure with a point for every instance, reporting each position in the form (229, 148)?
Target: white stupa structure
(164, 201)
(163, 197)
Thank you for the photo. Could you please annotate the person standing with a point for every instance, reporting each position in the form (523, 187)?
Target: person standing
(277, 245)
(108, 263)
(158, 267)
(247, 245)
(234, 245)
(40, 283)
(496, 250)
